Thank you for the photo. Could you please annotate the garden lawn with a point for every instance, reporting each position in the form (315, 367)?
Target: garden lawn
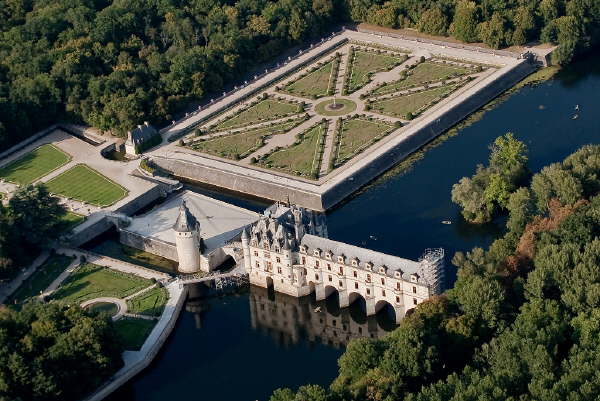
(34, 165)
(423, 72)
(85, 184)
(42, 278)
(93, 281)
(239, 145)
(151, 302)
(401, 106)
(267, 109)
(133, 331)
(303, 157)
(315, 84)
(116, 250)
(365, 63)
(357, 134)
(71, 220)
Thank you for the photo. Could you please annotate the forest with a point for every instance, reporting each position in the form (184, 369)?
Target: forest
(113, 64)
(522, 321)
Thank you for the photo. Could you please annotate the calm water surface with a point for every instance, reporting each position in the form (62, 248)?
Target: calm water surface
(229, 348)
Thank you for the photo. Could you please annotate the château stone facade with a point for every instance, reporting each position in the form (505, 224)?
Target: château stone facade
(288, 249)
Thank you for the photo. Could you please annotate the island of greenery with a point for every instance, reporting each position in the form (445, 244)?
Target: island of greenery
(522, 321)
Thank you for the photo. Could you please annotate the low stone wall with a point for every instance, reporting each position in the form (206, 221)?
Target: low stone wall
(244, 184)
(151, 245)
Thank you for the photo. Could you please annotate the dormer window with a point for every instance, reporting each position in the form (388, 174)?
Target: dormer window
(355, 262)
(383, 269)
(398, 274)
(369, 266)
(341, 259)
(328, 255)
(317, 252)
(303, 249)
(414, 277)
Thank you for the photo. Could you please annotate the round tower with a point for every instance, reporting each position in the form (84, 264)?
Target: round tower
(187, 240)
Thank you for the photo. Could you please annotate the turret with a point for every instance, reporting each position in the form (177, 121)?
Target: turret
(187, 240)
(246, 249)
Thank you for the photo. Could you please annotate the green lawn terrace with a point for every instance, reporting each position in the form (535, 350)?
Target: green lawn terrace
(148, 303)
(425, 73)
(355, 134)
(303, 157)
(39, 281)
(133, 331)
(362, 63)
(265, 109)
(85, 184)
(409, 106)
(34, 165)
(238, 145)
(319, 81)
(91, 281)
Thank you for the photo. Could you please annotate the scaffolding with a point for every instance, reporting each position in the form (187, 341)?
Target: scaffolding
(433, 269)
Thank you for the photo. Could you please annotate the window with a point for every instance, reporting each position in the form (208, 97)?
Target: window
(341, 270)
(414, 289)
(368, 278)
(341, 284)
(330, 278)
(267, 255)
(304, 271)
(316, 276)
(383, 281)
(303, 260)
(383, 293)
(269, 266)
(368, 291)
(255, 253)
(356, 285)
(279, 269)
(398, 286)
(316, 263)
(355, 273)
(329, 266)
(278, 259)
(257, 264)
(397, 300)
(415, 301)
(317, 253)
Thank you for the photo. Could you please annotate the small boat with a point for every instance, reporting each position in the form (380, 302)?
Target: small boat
(577, 107)
(374, 238)
(446, 222)
(317, 309)
(575, 117)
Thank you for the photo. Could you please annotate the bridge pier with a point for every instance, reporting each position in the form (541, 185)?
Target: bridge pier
(320, 292)
(370, 304)
(344, 298)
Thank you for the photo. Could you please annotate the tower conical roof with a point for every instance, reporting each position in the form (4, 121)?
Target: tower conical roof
(186, 221)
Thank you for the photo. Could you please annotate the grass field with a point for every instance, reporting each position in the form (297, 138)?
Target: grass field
(133, 332)
(424, 72)
(267, 109)
(365, 63)
(303, 157)
(92, 281)
(70, 220)
(86, 185)
(401, 106)
(116, 250)
(237, 146)
(42, 278)
(315, 84)
(34, 165)
(356, 135)
(151, 302)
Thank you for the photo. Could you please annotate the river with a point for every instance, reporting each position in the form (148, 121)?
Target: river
(226, 349)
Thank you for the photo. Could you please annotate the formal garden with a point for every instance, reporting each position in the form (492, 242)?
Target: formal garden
(34, 165)
(304, 157)
(291, 125)
(87, 185)
(356, 133)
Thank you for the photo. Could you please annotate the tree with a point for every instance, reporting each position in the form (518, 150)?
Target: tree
(433, 21)
(464, 25)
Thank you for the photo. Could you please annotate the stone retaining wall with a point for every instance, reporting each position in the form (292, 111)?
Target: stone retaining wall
(154, 246)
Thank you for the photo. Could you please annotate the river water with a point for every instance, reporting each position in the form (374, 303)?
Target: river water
(242, 347)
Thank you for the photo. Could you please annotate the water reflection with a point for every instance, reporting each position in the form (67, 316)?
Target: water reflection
(289, 320)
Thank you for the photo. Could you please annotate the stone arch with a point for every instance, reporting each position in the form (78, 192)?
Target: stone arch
(355, 296)
(385, 310)
(311, 287)
(330, 290)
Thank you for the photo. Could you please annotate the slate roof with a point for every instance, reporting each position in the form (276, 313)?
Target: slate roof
(378, 259)
(141, 134)
(186, 221)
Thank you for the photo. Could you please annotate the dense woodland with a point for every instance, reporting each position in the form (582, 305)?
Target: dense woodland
(114, 64)
(522, 321)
